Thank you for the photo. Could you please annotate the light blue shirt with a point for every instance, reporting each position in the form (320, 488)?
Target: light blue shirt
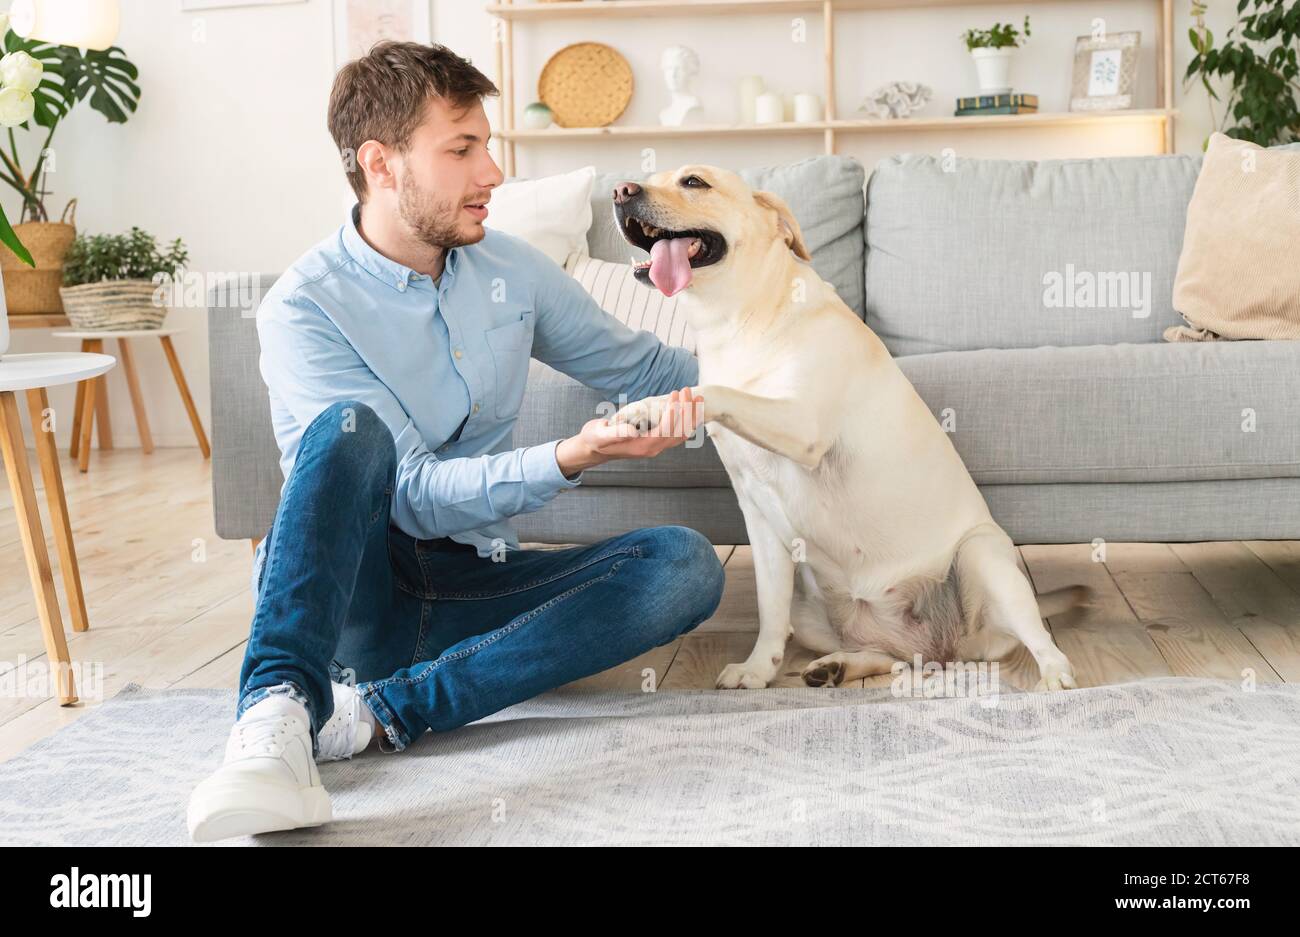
(445, 366)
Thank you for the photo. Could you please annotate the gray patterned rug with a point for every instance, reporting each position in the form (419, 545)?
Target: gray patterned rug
(1168, 761)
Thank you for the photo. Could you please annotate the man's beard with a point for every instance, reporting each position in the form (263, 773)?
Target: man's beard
(431, 220)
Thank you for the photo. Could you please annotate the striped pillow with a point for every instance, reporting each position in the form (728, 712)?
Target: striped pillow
(635, 305)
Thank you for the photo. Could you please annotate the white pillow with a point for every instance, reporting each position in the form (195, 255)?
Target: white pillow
(635, 305)
(552, 213)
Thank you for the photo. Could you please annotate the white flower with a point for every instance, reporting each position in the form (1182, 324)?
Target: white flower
(4, 24)
(19, 70)
(16, 106)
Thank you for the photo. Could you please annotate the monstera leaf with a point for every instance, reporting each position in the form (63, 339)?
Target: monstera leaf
(106, 76)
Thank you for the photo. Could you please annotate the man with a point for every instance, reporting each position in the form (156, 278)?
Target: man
(396, 355)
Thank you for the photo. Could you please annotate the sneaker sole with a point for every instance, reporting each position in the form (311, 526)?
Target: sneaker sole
(244, 810)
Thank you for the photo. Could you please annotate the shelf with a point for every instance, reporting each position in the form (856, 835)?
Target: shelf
(626, 8)
(830, 127)
(864, 125)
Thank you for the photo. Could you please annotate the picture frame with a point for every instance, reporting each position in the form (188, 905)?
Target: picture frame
(359, 24)
(1105, 72)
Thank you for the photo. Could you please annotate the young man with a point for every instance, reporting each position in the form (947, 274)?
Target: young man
(396, 354)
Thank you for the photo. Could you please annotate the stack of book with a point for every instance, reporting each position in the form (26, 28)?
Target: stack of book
(997, 104)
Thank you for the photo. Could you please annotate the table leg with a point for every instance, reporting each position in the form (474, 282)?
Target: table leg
(103, 426)
(48, 454)
(33, 540)
(185, 394)
(87, 423)
(137, 399)
(77, 409)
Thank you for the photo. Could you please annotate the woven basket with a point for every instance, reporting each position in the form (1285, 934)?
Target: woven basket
(35, 290)
(113, 304)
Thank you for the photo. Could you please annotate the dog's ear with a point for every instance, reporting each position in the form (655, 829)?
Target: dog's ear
(785, 218)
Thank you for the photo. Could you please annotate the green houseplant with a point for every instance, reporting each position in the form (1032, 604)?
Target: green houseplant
(114, 281)
(991, 49)
(1258, 59)
(40, 84)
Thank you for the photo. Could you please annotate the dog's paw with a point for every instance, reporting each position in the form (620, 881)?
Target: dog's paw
(825, 671)
(1056, 674)
(741, 677)
(643, 415)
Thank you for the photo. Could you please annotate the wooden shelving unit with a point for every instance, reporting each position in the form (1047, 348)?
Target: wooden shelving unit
(829, 126)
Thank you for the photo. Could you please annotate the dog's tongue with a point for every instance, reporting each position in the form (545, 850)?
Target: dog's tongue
(670, 267)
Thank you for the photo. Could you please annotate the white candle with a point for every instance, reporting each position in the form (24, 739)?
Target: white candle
(769, 108)
(751, 86)
(807, 108)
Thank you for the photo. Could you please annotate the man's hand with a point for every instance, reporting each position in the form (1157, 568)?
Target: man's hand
(640, 430)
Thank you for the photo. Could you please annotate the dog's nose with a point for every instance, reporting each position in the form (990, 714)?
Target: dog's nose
(624, 191)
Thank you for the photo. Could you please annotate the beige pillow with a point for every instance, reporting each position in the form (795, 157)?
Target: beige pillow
(637, 306)
(1239, 272)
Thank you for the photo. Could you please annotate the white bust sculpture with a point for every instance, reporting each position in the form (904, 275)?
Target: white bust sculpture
(680, 66)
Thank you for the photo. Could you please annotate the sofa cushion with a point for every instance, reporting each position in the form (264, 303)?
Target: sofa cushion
(555, 406)
(1154, 412)
(1118, 413)
(614, 287)
(963, 254)
(824, 192)
(981, 253)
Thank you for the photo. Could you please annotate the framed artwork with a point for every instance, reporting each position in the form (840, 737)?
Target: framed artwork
(1105, 71)
(359, 24)
(192, 5)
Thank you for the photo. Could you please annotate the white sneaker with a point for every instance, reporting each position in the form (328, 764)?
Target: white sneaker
(350, 730)
(268, 780)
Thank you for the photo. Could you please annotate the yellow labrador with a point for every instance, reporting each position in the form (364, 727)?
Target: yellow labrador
(871, 542)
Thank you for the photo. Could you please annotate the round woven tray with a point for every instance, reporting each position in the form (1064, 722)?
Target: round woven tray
(587, 84)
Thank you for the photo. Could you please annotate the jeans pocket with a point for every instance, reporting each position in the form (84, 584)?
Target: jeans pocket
(511, 345)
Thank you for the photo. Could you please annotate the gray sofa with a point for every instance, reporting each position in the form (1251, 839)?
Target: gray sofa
(1074, 417)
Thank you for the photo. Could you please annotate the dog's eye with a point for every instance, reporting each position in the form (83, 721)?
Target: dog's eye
(694, 182)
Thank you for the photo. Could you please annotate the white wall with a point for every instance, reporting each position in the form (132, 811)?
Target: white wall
(229, 148)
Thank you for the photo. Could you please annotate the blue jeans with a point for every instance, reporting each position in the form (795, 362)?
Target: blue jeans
(434, 636)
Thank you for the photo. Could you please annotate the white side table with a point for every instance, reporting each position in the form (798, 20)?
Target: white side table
(34, 373)
(92, 396)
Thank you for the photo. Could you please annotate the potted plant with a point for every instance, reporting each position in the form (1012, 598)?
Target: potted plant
(116, 281)
(1259, 60)
(40, 84)
(991, 49)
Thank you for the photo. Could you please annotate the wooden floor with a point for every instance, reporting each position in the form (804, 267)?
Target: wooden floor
(169, 603)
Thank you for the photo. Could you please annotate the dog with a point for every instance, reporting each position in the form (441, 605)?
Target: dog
(871, 542)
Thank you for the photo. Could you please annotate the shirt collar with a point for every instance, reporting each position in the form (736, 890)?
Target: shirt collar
(389, 271)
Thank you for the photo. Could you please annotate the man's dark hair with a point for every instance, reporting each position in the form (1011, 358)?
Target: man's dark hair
(383, 96)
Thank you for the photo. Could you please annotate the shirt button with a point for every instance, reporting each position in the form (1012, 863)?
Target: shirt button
(458, 353)
(476, 408)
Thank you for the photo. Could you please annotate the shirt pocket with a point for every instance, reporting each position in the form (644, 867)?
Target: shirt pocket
(511, 345)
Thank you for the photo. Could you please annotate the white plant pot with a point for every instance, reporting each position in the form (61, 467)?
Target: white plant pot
(994, 69)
